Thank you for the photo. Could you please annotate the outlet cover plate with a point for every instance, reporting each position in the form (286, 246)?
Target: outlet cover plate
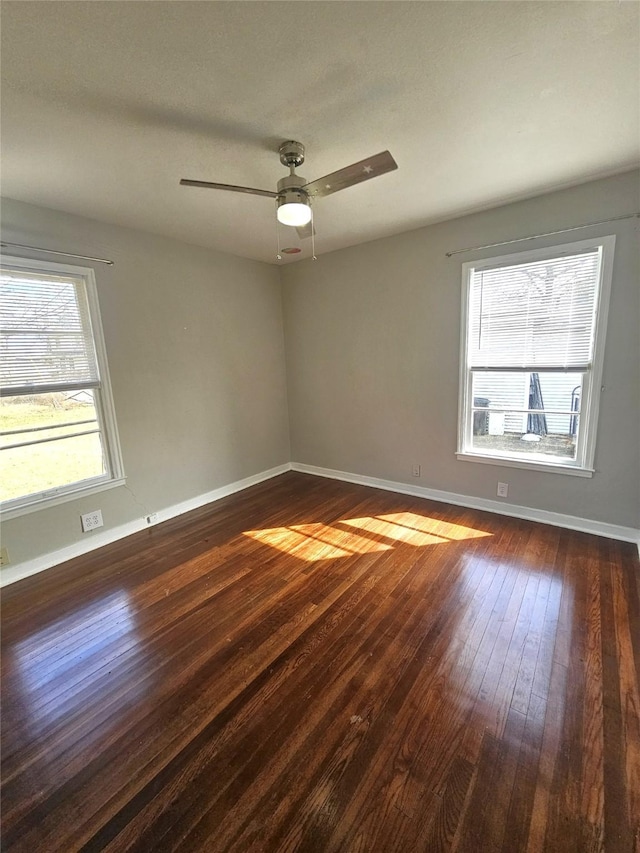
(503, 490)
(91, 520)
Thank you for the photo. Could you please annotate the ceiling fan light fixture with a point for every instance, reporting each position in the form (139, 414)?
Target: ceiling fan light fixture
(294, 214)
(293, 208)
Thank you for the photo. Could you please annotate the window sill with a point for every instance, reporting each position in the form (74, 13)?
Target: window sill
(549, 467)
(63, 497)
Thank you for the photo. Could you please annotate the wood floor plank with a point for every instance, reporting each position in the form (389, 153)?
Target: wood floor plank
(310, 665)
(629, 693)
(549, 751)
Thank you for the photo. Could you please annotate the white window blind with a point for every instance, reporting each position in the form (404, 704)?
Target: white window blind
(46, 341)
(534, 315)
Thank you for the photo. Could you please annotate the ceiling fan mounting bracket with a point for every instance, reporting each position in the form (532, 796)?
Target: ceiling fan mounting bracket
(291, 153)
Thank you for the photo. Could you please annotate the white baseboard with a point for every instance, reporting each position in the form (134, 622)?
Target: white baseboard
(12, 573)
(557, 519)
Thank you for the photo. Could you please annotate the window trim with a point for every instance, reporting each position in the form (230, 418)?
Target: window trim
(105, 410)
(583, 465)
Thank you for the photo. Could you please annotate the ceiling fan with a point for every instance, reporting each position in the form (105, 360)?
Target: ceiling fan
(294, 194)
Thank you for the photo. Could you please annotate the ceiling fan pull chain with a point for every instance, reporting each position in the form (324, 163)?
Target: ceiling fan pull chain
(313, 237)
(279, 254)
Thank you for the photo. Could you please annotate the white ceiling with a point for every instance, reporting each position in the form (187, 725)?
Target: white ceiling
(106, 105)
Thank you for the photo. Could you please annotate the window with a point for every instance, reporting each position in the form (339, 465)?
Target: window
(533, 327)
(57, 427)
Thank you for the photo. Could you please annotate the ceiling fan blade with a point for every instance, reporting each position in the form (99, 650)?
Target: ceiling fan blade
(187, 183)
(305, 231)
(350, 175)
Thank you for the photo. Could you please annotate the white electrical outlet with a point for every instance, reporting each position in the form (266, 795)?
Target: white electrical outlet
(4, 557)
(503, 490)
(91, 520)
(416, 470)
(152, 518)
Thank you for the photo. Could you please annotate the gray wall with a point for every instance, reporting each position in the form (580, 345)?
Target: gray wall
(196, 354)
(372, 335)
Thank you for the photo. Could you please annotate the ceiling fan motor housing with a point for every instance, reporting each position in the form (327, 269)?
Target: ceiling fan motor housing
(290, 190)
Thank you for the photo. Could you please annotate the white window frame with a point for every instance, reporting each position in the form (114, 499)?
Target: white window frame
(582, 465)
(103, 399)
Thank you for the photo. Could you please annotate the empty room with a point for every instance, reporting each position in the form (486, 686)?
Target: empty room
(320, 426)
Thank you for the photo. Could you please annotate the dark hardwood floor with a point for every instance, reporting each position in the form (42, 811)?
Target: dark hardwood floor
(316, 666)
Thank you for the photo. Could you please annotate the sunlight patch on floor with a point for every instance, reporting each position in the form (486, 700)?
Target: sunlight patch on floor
(322, 542)
(396, 532)
(434, 526)
(418, 530)
(317, 541)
